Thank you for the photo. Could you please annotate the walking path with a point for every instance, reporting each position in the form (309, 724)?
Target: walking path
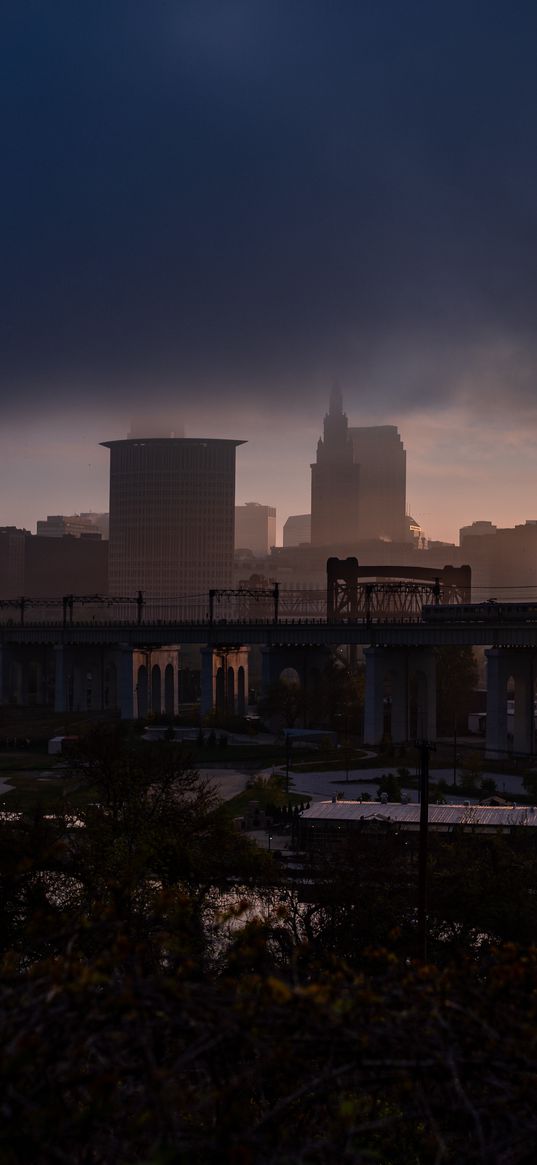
(228, 782)
(324, 786)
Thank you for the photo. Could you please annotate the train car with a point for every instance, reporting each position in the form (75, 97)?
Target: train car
(490, 611)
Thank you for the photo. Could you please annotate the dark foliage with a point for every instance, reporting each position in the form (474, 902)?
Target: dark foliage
(167, 998)
(456, 678)
(108, 1063)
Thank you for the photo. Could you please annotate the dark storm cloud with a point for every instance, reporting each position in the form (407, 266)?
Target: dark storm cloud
(253, 195)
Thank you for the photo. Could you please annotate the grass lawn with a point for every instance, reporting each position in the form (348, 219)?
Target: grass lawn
(30, 792)
(49, 793)
(338, 762)
(241, 754)
(39, 724)
(23, 761)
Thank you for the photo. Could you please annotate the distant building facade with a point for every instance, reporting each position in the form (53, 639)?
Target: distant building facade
(358, 483)
(297, 530)
(12, 561)
(46, 567)
(76, 525)
(255, 527)
(172, 517)
(101, 522)
(379, 451)
(415, 533)
(503, 561)
(476, 529)
(304, 567)
(62, 566)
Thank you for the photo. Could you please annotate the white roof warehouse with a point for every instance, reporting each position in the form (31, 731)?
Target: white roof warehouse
(341, 816)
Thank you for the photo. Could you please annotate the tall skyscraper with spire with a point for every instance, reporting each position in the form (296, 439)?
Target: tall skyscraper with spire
(335, 481)
(358, 483)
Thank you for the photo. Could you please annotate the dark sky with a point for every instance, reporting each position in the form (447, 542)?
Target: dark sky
(218, 206)
(255, 195)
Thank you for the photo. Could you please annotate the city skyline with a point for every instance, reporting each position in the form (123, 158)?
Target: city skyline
(494, 476)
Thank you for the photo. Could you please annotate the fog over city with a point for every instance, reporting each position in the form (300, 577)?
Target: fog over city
(220, 207)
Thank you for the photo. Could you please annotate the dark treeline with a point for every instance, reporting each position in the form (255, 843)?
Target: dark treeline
(168, 997)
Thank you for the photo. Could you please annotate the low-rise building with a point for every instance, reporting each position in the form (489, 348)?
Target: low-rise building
(76, 525)
(328, 822)
(255, 527)
(297, 530)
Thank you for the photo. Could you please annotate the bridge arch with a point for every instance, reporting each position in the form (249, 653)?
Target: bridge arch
(169, 690)
(142, 693)
(156, 690)
(220, 689)
(230, 694)
(241, 691)
(110, 686)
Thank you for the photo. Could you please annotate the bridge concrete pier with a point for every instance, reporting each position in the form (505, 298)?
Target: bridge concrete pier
(60, 702)
(125, 681)
(3, 675)
(83, 680)
(515, 670)
(224, 680)
(400, 694)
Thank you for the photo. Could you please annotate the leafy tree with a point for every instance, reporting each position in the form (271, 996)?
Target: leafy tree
(529, 781)
(472, 767)
(150, 826)
(389, 784)
(456, 679)
(166, 998)
(284, 701)
(333, 698)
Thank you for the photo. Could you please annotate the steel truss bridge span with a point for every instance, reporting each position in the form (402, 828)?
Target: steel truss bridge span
(394, 601)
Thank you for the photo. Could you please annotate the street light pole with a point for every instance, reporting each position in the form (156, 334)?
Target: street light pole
(346, 745)
(424, 749)
(454, 751)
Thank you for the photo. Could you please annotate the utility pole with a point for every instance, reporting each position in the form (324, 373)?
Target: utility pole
(454, 750)
(424, 748)
(287, 760)
(347, 744)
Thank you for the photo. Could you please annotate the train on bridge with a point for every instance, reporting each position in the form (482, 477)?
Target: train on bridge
(490, 612)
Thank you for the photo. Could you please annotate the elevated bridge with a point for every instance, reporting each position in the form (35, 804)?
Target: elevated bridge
(94, 651)
(353, 593)
(435, 627)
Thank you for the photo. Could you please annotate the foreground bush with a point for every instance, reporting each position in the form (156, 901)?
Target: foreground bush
(105, 1063)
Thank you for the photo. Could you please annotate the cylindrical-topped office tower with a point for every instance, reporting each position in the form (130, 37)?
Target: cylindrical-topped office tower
(172, 516)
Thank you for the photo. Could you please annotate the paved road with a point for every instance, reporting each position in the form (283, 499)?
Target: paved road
(228, 782)
(323, 786)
